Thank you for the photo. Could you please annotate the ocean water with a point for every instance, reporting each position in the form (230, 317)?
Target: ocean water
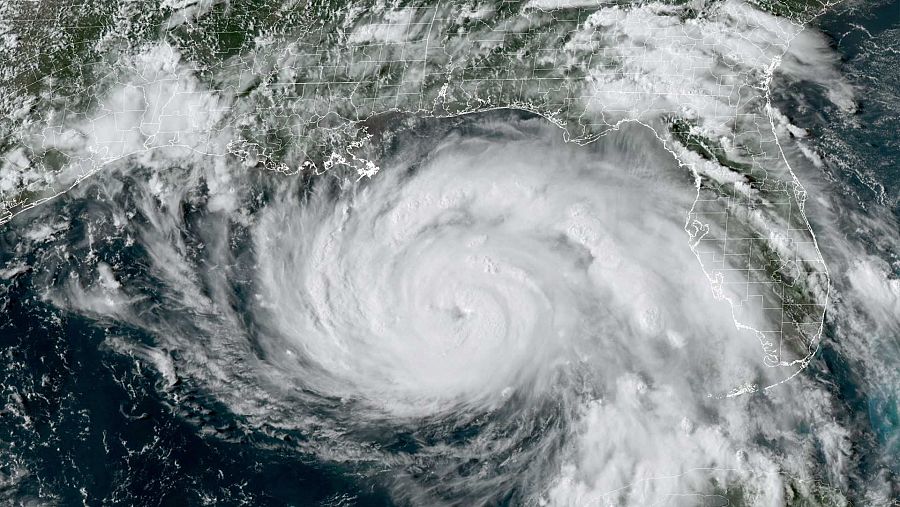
(85, 424)
(859, 151)
(88, 420)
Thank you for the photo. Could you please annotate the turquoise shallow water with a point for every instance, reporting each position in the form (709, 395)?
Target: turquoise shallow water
(860, 153)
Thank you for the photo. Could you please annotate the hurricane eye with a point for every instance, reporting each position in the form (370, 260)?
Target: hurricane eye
(568, 253)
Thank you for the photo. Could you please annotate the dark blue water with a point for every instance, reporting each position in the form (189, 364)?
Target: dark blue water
(861, 150)
(90, 425)
(861, 155)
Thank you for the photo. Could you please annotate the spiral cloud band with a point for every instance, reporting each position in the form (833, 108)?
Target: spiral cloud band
(560, 253)
(414, 297)
(474, 272)
(506, 300)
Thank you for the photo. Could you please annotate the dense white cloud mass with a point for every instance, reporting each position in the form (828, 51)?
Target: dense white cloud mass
(478, 274)
(469, 309)
(712, 71)
(493, 277)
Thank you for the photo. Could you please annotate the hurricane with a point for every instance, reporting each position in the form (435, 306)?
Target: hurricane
(626, 262)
